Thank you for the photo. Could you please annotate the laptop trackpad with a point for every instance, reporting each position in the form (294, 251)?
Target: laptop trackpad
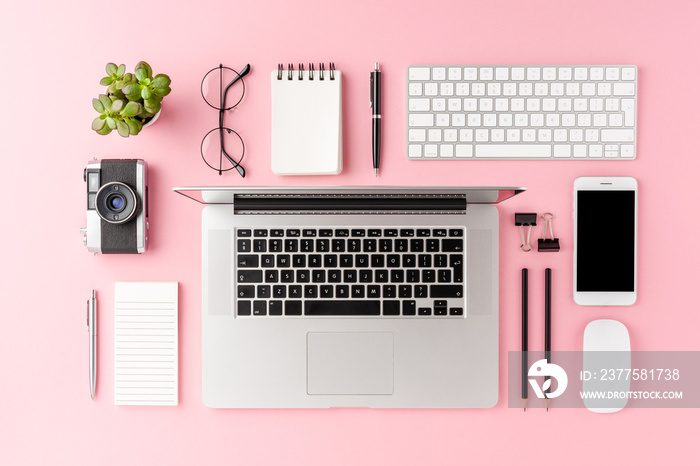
(350, 363)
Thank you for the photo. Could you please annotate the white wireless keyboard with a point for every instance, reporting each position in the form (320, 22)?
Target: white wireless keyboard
(522, 112)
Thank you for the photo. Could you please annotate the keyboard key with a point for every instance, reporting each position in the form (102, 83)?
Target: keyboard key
(342, 308)
(408, 308)
(456, 311)
(243, 233)
(514, 151)
(425, 311)
(419, 73)
(250, 276)
(259, 308)
(245, 260)
(263, 291)
(244, 308)
(275, 308)
(392, 308)
(246, 291)
(244, 245)
(292, 308)
(446, 291)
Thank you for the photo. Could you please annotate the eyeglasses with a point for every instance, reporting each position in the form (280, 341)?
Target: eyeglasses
(222, 148)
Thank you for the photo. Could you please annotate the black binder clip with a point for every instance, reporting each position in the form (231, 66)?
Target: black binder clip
(545, 244)
(528, 220)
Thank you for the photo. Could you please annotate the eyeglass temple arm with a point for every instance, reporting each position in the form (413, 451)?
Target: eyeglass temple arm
(243, 72)
(239, 168)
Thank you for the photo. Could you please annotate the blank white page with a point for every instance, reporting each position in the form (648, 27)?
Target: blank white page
(307, 135)
(145, 343)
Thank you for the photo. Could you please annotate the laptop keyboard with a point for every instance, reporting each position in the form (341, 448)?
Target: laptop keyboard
(350, 272)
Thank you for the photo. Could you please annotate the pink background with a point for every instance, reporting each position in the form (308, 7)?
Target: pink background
(53, 55)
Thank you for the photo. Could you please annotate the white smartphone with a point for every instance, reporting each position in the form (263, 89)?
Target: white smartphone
(605, 241)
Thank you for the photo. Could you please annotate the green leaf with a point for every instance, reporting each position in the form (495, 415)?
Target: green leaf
(140, 74)
(132, 91)
(142, 65)
(105, 101)
(152, 105)
(161, 92)
(111, 123)
(98, 123)
(129, 78)
(106, 81)
(97, 105)
(105, 130)
(145, 93)
(123, 129)
(135, 126)
(112, 88)
(121, 70)
(131, 109)
(117, 106)
(111, 69)
(161, 80)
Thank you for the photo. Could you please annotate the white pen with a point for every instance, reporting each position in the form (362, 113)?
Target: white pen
(92, 332)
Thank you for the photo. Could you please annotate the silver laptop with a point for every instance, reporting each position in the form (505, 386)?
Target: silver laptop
(350, 297)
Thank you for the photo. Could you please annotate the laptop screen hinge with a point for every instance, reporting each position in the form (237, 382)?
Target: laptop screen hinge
(362, 204)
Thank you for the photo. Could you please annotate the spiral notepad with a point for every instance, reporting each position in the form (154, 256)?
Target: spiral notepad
(307, 126)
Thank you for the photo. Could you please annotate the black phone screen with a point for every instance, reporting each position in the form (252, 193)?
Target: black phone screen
(605, 241)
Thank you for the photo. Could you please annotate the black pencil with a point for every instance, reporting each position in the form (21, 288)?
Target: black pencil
(524, 341)
(547, 323)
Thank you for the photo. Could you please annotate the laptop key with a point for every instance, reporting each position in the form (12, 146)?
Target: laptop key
(392, 308)
(259, 233)
(326, 291)
(452, 245)
(271, 276)
(250, 276)
(409, 308)
(291, 245)
(342, 291)
(444, 276)
(446, 291)
(389, 291)
(277, 233)
(268, 260)
(456, 311)
(243, 308)
(358, 291)
(283, 261)
(295, 291)
(420, 291)
(275, 308)
(243, 233)
(425, 311)
(405, 291)
(342, 308)
(247, 260)
(292, 308)
(279, 291)
(311, 291)
(243, 245)
(263, 291)
(259, 308)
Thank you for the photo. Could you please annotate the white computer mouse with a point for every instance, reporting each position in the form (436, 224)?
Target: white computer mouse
(606, 366)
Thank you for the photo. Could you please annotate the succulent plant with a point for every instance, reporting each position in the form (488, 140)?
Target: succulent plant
(131, 99)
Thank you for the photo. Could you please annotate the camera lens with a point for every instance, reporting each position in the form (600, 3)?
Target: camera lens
(117, 203)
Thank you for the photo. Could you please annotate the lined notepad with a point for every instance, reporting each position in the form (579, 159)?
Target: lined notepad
(145, 343)
(307, 124)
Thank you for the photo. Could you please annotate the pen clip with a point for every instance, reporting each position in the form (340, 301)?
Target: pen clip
(371, 89)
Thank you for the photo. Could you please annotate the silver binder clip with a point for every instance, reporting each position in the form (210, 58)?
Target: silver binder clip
(528, 220)
(550, 244)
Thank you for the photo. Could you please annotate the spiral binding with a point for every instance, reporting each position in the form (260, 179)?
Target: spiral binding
(321, 70)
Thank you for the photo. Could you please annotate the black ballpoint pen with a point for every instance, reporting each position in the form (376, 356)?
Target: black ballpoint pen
(375, 101)
(524, 340)
(547, 325)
